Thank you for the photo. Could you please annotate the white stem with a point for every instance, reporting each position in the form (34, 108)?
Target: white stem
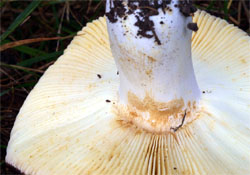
(157, 82)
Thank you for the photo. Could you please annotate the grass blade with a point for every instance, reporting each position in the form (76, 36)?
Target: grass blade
(26, 49)
(2, 4)
(29, 41)
(31, 61)
(3, 146)
(31, 7)
(225, 9)
(4, 92)
(29, 50)
(23, 85)
(21, 68)
(27, 85)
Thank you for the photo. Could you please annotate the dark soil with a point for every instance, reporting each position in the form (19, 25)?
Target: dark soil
(146, 10)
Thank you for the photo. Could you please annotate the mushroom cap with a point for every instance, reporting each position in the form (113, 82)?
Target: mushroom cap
(68, 123)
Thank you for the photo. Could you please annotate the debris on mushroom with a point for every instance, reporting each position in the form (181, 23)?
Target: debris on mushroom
(99, 76)
(160, 120)
(192, 26)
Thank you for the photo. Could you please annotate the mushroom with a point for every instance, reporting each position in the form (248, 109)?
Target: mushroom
(179, 109)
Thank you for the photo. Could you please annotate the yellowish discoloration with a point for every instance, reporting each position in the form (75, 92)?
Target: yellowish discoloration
(243, 61)
(149, 72)
(137, 62)
(91, 86)
(151, 59)
(158, 110)
(153, 116)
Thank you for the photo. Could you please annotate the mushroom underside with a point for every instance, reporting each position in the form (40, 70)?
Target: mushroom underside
(67, 124)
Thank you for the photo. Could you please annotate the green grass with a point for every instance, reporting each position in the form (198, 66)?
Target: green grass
(32, 6)
(47, 57)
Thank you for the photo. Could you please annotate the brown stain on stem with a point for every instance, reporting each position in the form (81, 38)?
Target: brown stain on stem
(151, 59)
(153, 116)
(159, 111)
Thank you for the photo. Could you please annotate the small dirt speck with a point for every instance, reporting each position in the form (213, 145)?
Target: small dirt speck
(192, 26)
(99, 76)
